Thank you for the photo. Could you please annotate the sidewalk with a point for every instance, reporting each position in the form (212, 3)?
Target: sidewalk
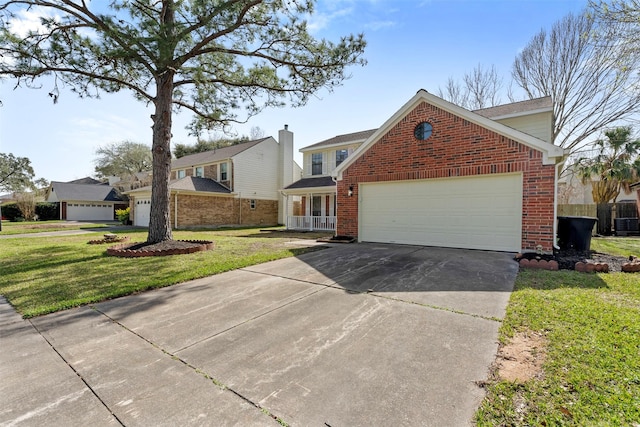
(33, 375)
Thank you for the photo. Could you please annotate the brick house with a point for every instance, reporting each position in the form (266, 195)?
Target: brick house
(235, 185)
(437, 174)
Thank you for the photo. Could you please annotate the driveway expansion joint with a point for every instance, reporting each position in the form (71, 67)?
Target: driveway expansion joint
(195, 369)
(102, 402)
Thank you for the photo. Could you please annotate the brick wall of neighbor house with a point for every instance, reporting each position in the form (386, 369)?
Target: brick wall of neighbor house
(211, 172)
(203, 210)
(196, 210)
(456, 148)
(265, 213)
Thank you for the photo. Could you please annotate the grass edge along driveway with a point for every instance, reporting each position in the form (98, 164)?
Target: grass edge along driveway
(44, 275)
(591, 369)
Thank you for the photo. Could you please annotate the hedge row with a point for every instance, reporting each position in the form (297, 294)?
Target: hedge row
(45, 212)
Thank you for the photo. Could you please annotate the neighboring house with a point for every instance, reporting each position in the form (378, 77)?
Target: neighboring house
(132, 182)
(571, 191)
(235, 185)
(439, 175)
(85, 202)
(316, 189)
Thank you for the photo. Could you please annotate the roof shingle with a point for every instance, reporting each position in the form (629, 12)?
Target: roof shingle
(213, 155)
(341, 139)
(321, 181)
(516, 107)
(86, 192)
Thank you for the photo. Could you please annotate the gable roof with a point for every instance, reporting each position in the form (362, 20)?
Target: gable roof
(515, 109)
(213, 156)
(86, 192)
(552, 154)
(342, 139)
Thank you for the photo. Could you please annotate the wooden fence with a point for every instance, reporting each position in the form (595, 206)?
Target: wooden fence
(606, 214)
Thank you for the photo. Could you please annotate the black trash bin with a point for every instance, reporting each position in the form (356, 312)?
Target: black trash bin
(574, 232)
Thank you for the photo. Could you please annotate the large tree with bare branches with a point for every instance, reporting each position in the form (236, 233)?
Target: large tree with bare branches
(588, 73)
(479, 88)
(223, 60)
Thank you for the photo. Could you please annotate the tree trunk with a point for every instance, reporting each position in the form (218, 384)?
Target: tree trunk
(604, 190)
(160, 218)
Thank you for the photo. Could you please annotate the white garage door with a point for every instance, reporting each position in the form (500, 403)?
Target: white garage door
(481, 212)
(141, 212)
(89, 212)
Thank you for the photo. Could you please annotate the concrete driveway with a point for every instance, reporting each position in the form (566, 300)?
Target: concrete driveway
(354, 335)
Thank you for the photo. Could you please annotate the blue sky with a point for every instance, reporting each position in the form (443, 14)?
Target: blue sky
(412, 45)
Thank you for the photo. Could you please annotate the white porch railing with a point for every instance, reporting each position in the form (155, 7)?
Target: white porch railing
(311, 223)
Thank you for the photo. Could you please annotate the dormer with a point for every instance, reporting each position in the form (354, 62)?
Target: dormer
(322, 158)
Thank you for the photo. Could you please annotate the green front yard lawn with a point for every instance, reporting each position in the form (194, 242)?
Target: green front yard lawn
(28, 227)
(590, 323)
(43, 275)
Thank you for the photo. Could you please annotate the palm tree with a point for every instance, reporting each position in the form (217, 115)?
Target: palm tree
(614, 168)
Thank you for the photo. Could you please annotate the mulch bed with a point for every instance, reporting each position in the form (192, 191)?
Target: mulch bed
(167, 247)
(567, 259)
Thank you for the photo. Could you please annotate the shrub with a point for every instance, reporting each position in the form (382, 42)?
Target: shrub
(11, 212)
(123, 215)
(47, 211)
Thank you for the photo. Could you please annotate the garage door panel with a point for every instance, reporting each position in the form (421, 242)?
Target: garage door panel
(482, 212)
(142, 212)
(89, 212)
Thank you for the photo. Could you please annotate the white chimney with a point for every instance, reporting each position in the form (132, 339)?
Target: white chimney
(285, 168)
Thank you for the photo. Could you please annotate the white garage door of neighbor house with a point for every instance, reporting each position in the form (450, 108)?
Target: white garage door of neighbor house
(141, 212)
(480, 212)
(89, 212)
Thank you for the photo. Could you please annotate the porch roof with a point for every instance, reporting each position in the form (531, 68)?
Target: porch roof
(322, 181)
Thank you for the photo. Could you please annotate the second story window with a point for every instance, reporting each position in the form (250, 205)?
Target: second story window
(181, 173)
(341, 156)
(316, 164)
(199, 171)
(224, 175)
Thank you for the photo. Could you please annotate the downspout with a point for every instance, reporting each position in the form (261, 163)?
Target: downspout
(175, 211)
(555, 207)
(335, 179)
(286, 208)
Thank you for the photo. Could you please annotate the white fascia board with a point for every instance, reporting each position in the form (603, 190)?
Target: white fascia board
(552, 154)
(308, 190)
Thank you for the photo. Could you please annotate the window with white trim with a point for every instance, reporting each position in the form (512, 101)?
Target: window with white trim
(341, 156)
(252, 204)
(224, 174)
(198, 171)
(316, 164)
(181, 173)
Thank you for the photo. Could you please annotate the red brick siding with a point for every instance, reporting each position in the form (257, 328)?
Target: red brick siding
(457, 147)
